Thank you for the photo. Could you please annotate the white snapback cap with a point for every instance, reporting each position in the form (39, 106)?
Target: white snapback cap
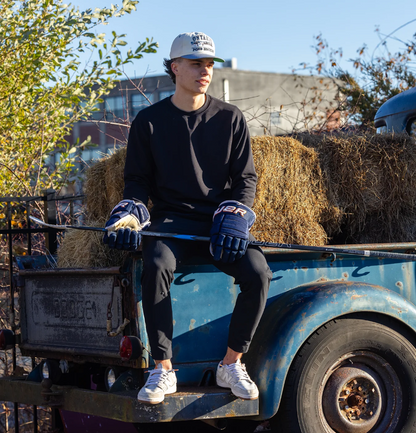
(195, 45)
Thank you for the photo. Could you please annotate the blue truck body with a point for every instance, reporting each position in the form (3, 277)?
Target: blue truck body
(398, 114)
(308, 290)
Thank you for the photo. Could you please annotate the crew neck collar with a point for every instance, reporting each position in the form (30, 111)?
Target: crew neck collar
(199, 110)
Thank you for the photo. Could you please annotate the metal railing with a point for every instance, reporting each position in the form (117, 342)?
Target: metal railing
(45, 204)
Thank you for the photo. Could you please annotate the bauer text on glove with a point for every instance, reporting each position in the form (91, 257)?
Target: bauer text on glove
(230, 231)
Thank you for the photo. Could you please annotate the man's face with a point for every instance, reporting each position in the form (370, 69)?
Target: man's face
(193, 76)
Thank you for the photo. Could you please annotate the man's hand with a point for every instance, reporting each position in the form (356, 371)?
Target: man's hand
(126, 221)
(230, 231)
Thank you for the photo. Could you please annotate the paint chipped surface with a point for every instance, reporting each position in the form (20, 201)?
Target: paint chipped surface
(358, 296)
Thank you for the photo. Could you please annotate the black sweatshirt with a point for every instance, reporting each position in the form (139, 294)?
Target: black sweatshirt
(189, 162)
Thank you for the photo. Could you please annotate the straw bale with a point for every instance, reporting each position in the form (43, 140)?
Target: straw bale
(370, 178)
(312, 190)
(103, 189)
(114, 177)
(291, 200)
(85, 249)
(104, 185)
(96, 199)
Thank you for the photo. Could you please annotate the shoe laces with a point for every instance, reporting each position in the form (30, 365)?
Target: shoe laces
(238, 372)
(157, 376)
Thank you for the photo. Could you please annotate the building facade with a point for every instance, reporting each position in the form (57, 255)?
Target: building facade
(273, 104)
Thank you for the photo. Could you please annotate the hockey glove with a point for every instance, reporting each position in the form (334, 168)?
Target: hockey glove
(230, 231)
(126, 221)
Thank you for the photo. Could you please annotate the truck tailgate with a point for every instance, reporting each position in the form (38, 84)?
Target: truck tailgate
(65, 312)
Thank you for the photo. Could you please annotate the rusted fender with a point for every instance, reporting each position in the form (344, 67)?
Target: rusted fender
(291, 318)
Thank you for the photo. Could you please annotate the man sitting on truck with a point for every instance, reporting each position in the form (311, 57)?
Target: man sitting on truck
(190, 154)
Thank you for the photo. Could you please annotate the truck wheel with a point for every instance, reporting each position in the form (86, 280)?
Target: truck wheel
(354, 375)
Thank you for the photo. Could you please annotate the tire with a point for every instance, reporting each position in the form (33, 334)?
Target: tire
(354, 375)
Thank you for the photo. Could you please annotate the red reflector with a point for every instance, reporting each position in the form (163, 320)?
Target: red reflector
(130, 348)
(126, 349)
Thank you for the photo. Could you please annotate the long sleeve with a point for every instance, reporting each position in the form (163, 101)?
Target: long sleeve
(139, 168)
(188, 163)
(242, 170)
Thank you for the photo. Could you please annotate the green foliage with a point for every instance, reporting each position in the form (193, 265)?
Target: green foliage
(375, 77)
(45, 89)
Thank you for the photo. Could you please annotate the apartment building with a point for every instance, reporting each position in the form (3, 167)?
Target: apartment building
(273, 104)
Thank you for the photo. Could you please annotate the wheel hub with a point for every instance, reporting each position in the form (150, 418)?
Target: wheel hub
(359, 400)
(352, 399)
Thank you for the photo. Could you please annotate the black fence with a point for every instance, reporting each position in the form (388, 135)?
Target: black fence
(52, 209)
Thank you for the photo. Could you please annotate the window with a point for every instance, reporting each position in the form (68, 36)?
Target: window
(97, 114)
(411, 127)
(140, 101)
(165, 94)
(275, 119)
(382, 129)
(114, 107)
(58, 157)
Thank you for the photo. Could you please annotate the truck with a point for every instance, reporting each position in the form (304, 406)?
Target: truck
(398, 114)
(335, 350)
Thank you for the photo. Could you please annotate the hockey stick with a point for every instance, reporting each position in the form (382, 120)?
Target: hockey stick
(321, 249)
(100, 229)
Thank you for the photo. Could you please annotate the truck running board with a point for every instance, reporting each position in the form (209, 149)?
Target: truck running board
(199, 403)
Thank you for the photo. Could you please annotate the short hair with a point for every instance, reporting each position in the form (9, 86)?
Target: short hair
(167, 63)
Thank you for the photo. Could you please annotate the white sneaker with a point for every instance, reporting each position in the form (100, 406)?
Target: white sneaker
(235, 376)
(159, 383)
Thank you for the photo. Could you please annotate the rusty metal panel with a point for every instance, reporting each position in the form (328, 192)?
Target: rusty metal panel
(186, 404)
(69, 311)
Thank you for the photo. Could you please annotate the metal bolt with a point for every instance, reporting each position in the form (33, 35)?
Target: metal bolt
(366, 400)
(360, 388)
(347, 391)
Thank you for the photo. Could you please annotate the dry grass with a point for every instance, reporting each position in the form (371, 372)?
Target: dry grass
(85, 249)
(291, 200)
(312, 190)
(370, 178)
(104, 185)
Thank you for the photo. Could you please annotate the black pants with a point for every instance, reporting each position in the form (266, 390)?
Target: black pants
(160, 259)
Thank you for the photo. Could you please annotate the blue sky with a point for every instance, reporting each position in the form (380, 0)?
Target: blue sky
(264, 35)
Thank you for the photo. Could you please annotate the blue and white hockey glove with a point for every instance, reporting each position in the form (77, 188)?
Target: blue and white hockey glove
(232, 222)
(126, 221)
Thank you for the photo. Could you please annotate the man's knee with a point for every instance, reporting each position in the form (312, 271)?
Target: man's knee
(257, 268)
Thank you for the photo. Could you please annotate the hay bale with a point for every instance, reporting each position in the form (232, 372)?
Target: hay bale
(114, 177)
(104, 185)
(85, 249)
(370, 178)
(103, 188)
(311, 190)
(291, 200)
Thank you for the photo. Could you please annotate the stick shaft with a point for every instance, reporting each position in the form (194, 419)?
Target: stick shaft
(321, 249)
(337, 250)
